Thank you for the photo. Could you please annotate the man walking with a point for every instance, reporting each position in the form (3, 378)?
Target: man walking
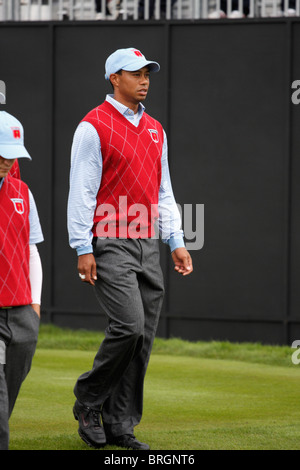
(119, 187)
(20, 272)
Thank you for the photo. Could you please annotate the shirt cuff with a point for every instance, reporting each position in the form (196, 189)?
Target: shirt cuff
(84, 250)
(175, 243)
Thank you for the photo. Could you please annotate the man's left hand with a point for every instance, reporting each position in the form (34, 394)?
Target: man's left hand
(183, 261)
(37, 309)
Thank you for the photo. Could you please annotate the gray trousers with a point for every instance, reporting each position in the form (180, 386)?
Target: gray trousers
(130, 291)
(19, 328)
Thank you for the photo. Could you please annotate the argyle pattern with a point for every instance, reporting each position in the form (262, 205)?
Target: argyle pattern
(131, 172)
(15, 288)
(15, 170)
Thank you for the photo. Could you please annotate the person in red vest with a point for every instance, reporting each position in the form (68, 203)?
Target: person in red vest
(20, 272)
(120, 197)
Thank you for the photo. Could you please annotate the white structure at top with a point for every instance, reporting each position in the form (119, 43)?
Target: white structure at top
(82, 10)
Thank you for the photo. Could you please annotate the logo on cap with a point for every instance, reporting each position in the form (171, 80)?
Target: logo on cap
(19, 205)
(16, 132)
(154, 135)
(138, 53)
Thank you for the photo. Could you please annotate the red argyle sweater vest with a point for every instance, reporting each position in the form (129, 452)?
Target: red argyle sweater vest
(127, 201)
(15, 288)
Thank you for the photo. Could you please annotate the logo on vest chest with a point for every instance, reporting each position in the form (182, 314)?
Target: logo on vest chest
(18, 205)
(154, 135)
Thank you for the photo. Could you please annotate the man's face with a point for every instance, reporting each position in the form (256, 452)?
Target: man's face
(5, 166)
(132, 87)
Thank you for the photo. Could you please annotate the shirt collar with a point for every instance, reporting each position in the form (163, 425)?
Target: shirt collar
(124, 109)
(1, 182)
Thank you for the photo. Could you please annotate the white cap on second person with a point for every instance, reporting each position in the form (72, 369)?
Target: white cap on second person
(11, 137)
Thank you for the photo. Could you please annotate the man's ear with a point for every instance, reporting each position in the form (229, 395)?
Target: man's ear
(114, 79)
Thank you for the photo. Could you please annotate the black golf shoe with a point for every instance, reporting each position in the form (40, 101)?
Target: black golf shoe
(90, 428)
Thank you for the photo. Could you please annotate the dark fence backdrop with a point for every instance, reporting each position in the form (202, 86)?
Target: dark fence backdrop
(224, 97)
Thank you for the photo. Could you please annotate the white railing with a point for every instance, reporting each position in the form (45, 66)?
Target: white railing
(57, 10)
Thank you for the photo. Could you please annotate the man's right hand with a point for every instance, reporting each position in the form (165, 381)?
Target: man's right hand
(87, 268)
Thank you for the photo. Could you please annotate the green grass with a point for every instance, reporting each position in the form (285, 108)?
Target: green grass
(52, 337)
(213, 395)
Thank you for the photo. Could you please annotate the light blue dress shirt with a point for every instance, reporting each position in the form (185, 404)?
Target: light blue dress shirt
(36, 234)
(85, 180)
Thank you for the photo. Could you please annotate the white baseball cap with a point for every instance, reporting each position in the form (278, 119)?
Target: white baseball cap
(129, 59)
(11, 137)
